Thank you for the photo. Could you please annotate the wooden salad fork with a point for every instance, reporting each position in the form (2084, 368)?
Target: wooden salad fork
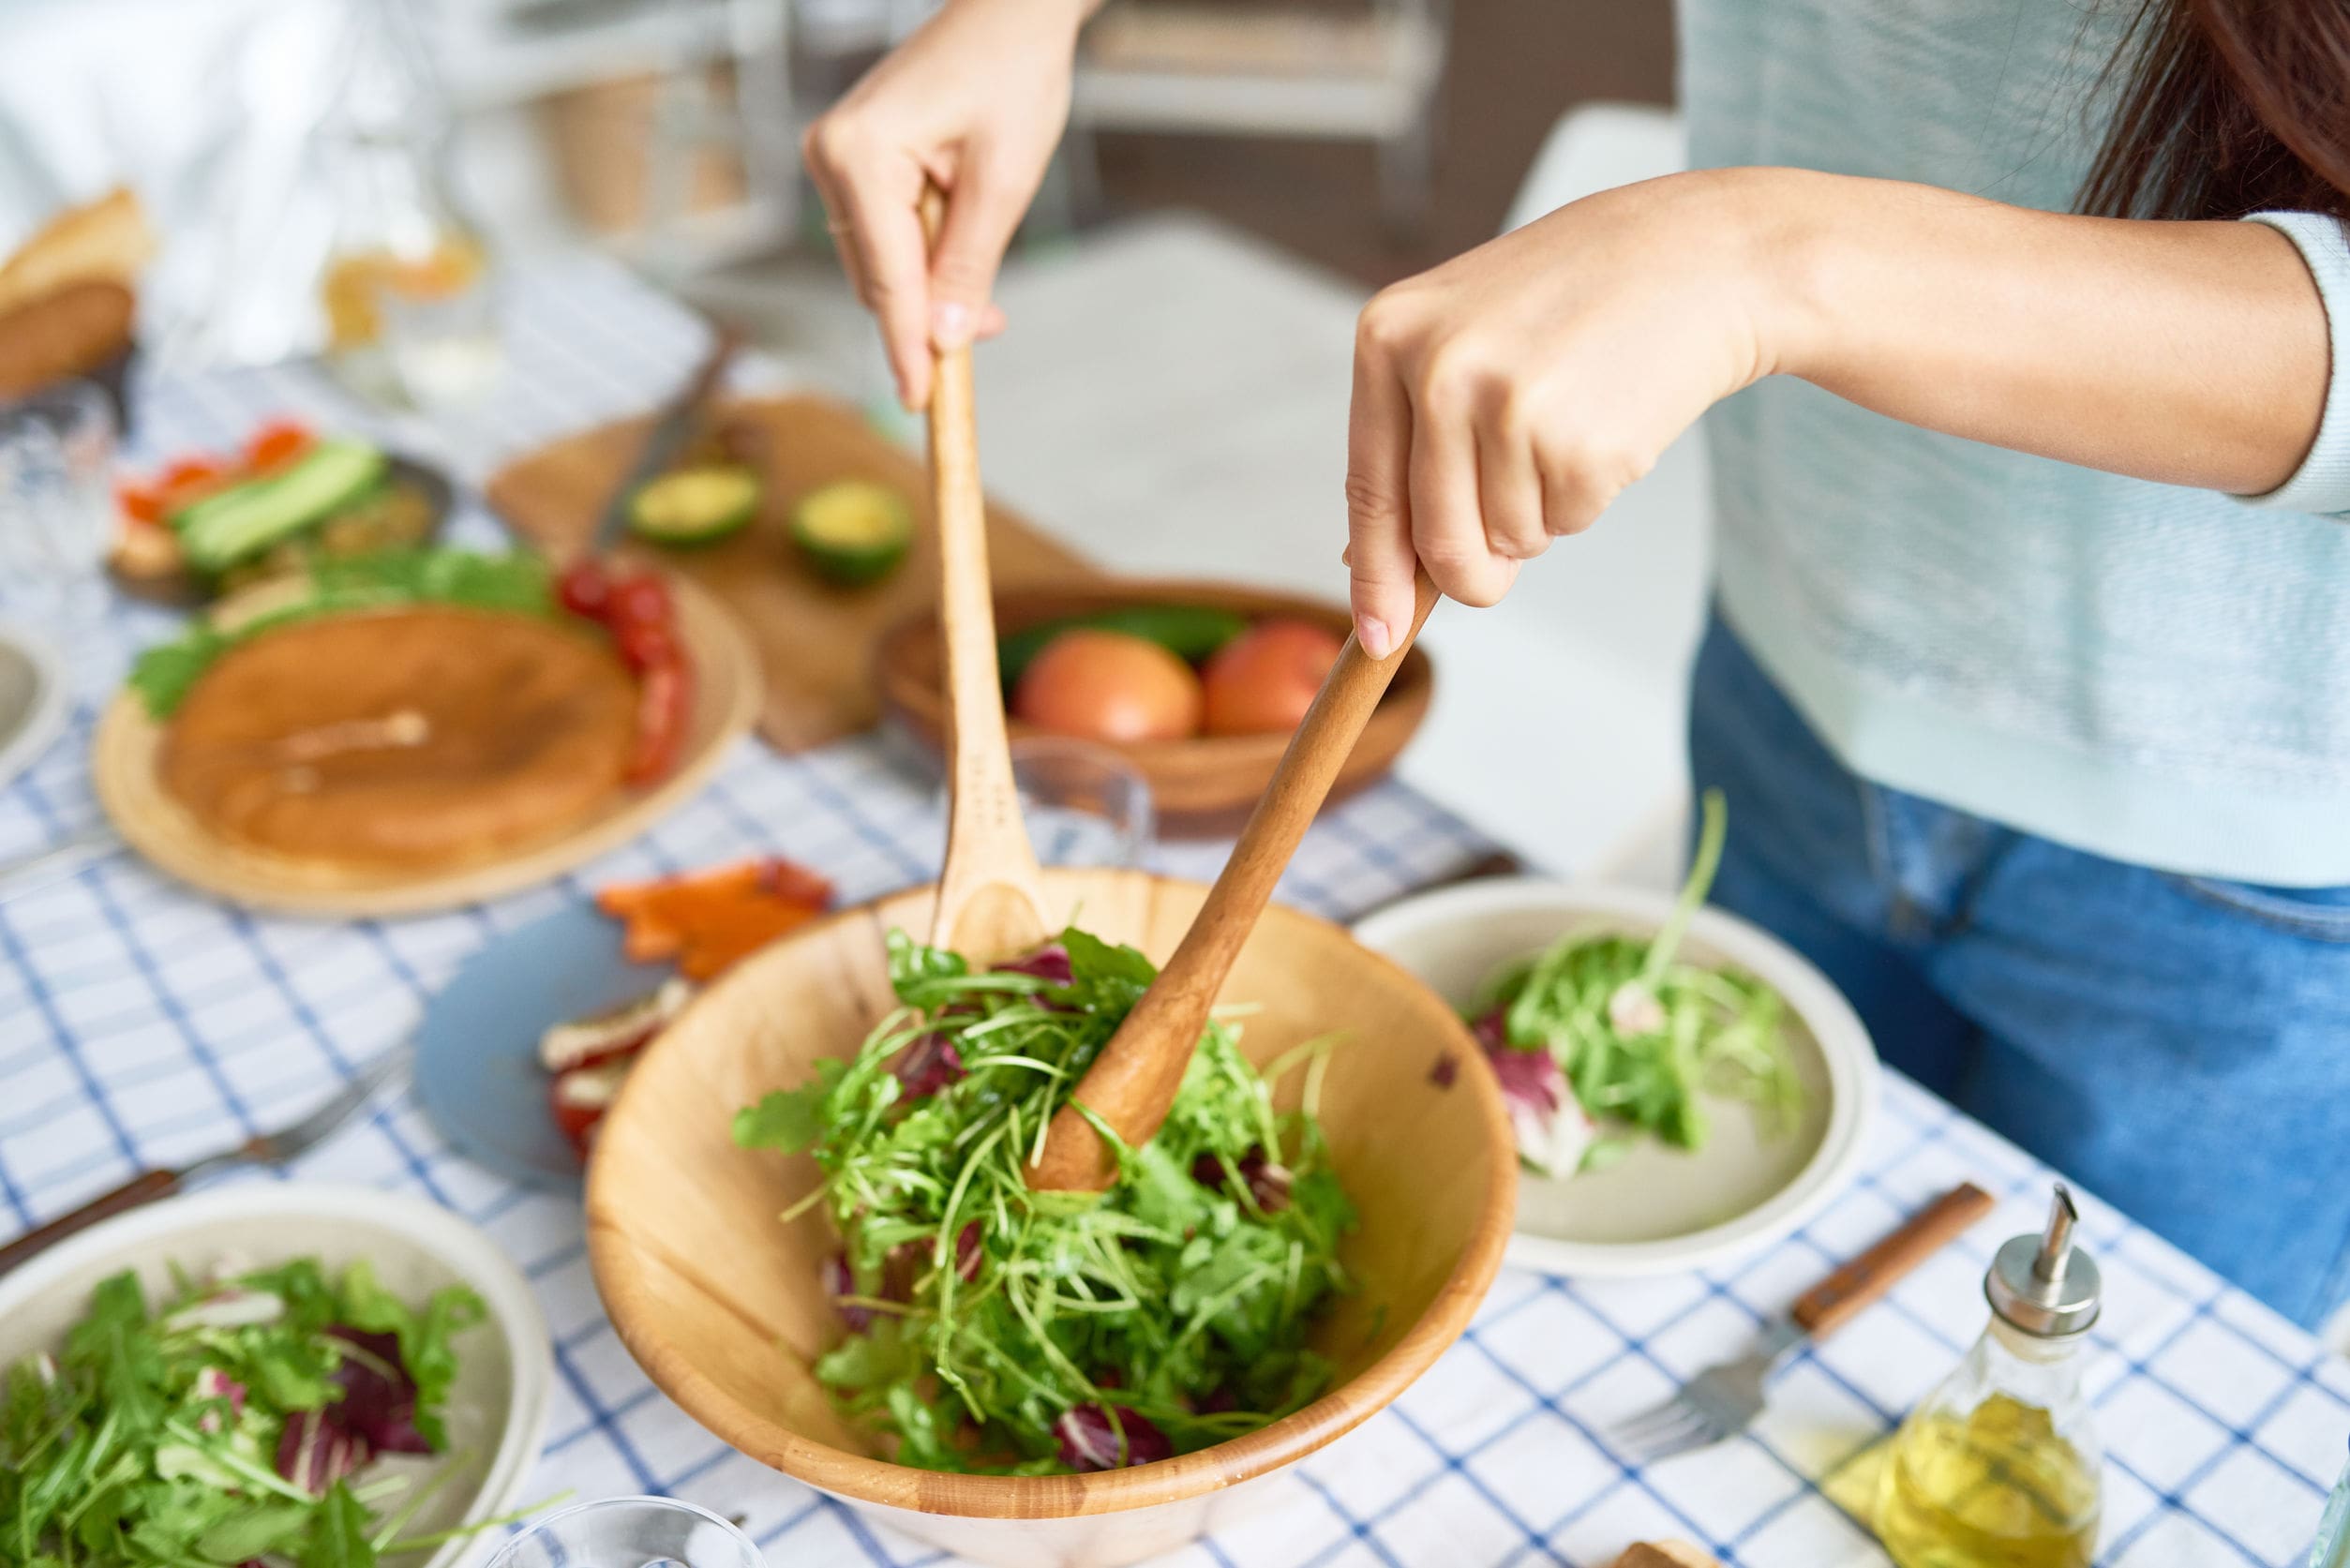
(990, 901)
(1133, 1081)
(1723, 1401)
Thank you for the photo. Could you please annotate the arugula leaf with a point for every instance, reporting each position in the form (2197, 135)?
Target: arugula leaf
(338, 1536)
(789, 1120)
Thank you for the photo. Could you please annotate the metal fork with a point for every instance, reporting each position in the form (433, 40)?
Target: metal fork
(268, 1148)
(1723, 1401)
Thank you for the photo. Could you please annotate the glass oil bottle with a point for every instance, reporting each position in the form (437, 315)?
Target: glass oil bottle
(1999, 1467)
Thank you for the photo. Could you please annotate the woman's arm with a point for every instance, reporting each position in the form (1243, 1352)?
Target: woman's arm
(1504, 399)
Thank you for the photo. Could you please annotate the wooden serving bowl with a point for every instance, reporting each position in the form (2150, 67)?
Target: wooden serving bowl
(1201, 788)
(724, 1310)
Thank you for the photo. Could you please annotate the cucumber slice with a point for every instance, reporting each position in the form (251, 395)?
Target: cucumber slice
(246, 519)
(1189, 632)
(853, 531)
(694, 506)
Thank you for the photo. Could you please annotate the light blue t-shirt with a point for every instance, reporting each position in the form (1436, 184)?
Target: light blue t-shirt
(2152, 673)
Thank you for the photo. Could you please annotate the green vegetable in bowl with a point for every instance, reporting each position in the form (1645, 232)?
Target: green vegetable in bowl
(1641, 1037)
(232, 1426)
(1003, 1331)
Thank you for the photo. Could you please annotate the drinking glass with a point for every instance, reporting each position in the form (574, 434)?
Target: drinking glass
(631, 1532)
(57, 512)
(1083, 804)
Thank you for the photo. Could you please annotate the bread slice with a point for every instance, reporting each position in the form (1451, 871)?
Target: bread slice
(76, 330)
(105, 241)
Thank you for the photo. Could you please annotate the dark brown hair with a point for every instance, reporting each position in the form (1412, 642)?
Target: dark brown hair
(2228, 106)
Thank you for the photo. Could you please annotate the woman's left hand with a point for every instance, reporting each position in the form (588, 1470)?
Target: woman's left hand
(1503, 399)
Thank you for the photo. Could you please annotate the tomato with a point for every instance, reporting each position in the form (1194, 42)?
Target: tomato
(665, 700)
(640, 596)
(1109, 686)
(644, 644)
(140, 504)
(584, 589)
(1264, 680)
(577, 1098)
(187, 482)
(275, 444)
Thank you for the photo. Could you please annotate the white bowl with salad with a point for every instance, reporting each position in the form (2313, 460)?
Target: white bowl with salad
(280, 1373)
(1686, 1087)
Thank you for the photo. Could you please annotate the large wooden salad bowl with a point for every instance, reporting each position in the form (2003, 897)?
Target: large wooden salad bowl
(724, 1310)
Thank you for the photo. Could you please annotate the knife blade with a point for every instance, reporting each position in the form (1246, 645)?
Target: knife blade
(667, 438)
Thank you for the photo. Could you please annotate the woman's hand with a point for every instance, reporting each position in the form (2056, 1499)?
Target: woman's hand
(1504, 399)
(974, 102)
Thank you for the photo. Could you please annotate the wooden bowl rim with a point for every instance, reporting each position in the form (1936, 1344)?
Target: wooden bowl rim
(1406, 696)
(164, 834)
(628, 1304)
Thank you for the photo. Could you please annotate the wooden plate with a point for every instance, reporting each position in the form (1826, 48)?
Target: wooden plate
(123, 766)
(724, 1306)
(1202, 788)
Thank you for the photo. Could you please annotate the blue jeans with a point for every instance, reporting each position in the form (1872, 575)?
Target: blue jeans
(2179, 1045)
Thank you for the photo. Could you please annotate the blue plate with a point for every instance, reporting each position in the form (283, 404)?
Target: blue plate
(478, 1050)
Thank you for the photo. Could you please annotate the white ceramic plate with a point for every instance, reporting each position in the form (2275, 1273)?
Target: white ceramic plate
(497, 1410)
(33, 697)
(1659, 1210)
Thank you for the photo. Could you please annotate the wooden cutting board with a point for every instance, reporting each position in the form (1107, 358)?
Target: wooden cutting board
(815, 642)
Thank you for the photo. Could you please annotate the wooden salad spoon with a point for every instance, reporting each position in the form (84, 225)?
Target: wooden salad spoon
(990, 904)
(1133, 1082)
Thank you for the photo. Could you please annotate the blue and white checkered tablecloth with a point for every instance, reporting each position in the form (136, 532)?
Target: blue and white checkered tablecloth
(141, 1024)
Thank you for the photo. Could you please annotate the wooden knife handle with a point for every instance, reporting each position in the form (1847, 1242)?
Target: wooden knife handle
(144, 1187)
(1827, 1306)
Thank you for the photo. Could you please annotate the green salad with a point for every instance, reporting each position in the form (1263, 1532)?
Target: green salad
(231, 1425)
(1003, 1331)
(1641, 1037)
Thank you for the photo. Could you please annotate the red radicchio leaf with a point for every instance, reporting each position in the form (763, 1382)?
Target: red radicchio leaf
(966, 1252)
(314, 1452)
(927, 1065)
(213, 1383)
(1090, 1441)
(838, 1284)
(378, 1402)
(1267, 1182)
(1492, 1030)
(1216, 1401)
(1049, 963)
(900, 1267)
(1532, 1085)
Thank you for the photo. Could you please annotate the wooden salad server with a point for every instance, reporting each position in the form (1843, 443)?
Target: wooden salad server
(990, 904)
(1133, 1082)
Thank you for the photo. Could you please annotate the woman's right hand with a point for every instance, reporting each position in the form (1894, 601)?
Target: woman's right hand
(974, 102)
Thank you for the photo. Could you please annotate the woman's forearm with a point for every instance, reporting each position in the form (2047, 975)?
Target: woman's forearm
(2191, 353)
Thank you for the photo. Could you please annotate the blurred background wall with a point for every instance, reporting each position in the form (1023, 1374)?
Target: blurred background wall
(1372, 136)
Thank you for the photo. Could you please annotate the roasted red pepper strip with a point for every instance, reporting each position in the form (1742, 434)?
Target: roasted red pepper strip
(664, 701)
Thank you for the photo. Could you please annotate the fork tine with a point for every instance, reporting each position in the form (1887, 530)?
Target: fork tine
(1666, 1423)
(1704, 1435)
(1673, 1411)
(337, 1107)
